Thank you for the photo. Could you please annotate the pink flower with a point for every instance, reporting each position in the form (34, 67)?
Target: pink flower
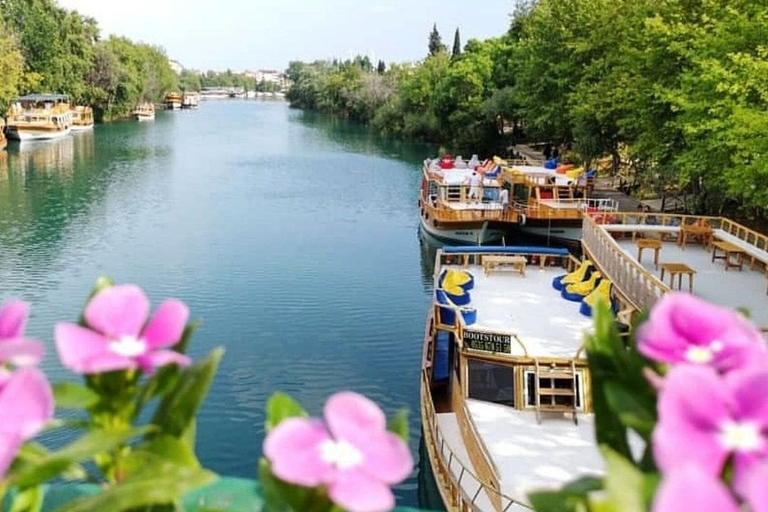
(352, 453)
(684, 329)
(690, 488)
(705, 419)
(116, 340)
(26, 405)
(15, 349)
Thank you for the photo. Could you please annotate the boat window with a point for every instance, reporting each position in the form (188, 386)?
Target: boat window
(491, 382)
(530, 389)
(520, 194)
(453, 193)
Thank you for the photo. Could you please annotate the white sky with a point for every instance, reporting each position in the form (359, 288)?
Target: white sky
(258, 34)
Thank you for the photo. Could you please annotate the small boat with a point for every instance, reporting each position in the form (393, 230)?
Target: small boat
(82, 118)
(505, 398)
(144, 112)
(39, 117)
(172, 101)
(190, 100)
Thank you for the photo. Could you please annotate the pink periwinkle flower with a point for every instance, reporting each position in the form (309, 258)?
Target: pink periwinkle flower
(26, 405)
(706, 419)
(15, 349)
(684, 329)
(690, 488)
(351, 453)
(118, 338)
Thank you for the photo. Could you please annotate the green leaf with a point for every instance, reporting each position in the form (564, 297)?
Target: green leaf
(159, 489)
(624, 482)
(571, 498)
(28, 500)
(54, 463)
(280, 496)
(636, 411)
(153, 457)
(281, 406)
(178, 409)
(32, 453)
(398, 424)
(71, 395)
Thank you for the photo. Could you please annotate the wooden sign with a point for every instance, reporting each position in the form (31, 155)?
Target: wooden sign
(488, 341)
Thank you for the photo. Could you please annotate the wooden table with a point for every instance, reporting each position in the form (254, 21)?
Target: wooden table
(515, 263)
(678, 269)
(728, 249)
(648, 243)
(705, 233)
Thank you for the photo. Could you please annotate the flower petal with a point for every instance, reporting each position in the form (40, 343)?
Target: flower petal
(13, 319)
(293, 448)
(353, 418)
(749, 390)
(9, 447)
(387, 458)
(166, 327)
(26, 404)
(689, 488)
(673, 448)
(77, 345)
(118, 311)
(358, 492)
(21, 352)
(153, 360)
(756, 489)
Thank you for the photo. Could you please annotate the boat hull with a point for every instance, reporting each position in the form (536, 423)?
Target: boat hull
(144, 117)
(465, 234)
(24, 134)
(556, 232)
(81, 127)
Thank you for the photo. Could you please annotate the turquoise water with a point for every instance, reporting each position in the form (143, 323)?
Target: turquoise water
(293, 237)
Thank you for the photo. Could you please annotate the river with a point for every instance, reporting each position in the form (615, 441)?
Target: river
(294, 237)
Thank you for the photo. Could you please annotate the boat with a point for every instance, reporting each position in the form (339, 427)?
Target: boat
(552, 199)
(214, 93)
(82, 118)
(457, 204)
(39, 117)
(144, 112)
(172, 101)
(190, 100)
(505, 389)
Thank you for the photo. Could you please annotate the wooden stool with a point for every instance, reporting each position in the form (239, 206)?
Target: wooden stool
(649, 243)
(678, 269)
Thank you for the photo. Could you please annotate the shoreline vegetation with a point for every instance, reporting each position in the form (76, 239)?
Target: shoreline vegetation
(47, 48)
(669, 96)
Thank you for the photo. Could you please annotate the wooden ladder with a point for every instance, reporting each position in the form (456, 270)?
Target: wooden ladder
(559, 382)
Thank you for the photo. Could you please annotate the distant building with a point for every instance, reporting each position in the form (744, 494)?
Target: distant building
(176, 66)
(266, 75)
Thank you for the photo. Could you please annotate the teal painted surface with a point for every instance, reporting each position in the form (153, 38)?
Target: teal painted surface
(294, 237)
(223, 495)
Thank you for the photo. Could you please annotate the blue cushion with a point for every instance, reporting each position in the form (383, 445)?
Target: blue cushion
(442, 363)
(447, 316)
(459, 300)
(441, 297)
(557, 282)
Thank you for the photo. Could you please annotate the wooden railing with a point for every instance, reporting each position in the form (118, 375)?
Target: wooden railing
(451, 474)
(641, 288)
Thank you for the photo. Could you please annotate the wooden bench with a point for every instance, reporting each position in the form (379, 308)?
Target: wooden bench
(497, 262)
(728, 250)
(755, 253)
(636, 229)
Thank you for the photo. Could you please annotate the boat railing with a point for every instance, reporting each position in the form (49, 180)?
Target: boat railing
(451, 472)
(641, 288)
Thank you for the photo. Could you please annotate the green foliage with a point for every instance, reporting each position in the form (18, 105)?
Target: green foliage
(280, 407)
(436, 45)
(456, 44)
(11, 66)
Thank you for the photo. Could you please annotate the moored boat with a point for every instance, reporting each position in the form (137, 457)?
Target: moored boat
(82, 118)
(144, 112)
(39, 117)
(190, 100)
(460, 204)
(505, 390)
(172, 101)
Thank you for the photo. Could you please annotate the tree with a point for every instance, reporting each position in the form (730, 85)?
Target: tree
(436, 45)
(381, 68)
(11, 67)
(456, 44)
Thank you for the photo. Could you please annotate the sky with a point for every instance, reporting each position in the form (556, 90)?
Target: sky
(267, 34)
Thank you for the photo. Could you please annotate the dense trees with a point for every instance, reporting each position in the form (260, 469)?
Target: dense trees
(676, 91)
(46, 48)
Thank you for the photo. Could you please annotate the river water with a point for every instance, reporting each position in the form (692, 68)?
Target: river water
(294, 237)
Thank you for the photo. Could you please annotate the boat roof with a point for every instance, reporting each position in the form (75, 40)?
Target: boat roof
(42, 98)
(733, 288)
(529, 308)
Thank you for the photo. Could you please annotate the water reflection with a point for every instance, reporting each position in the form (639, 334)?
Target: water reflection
(48, 156)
